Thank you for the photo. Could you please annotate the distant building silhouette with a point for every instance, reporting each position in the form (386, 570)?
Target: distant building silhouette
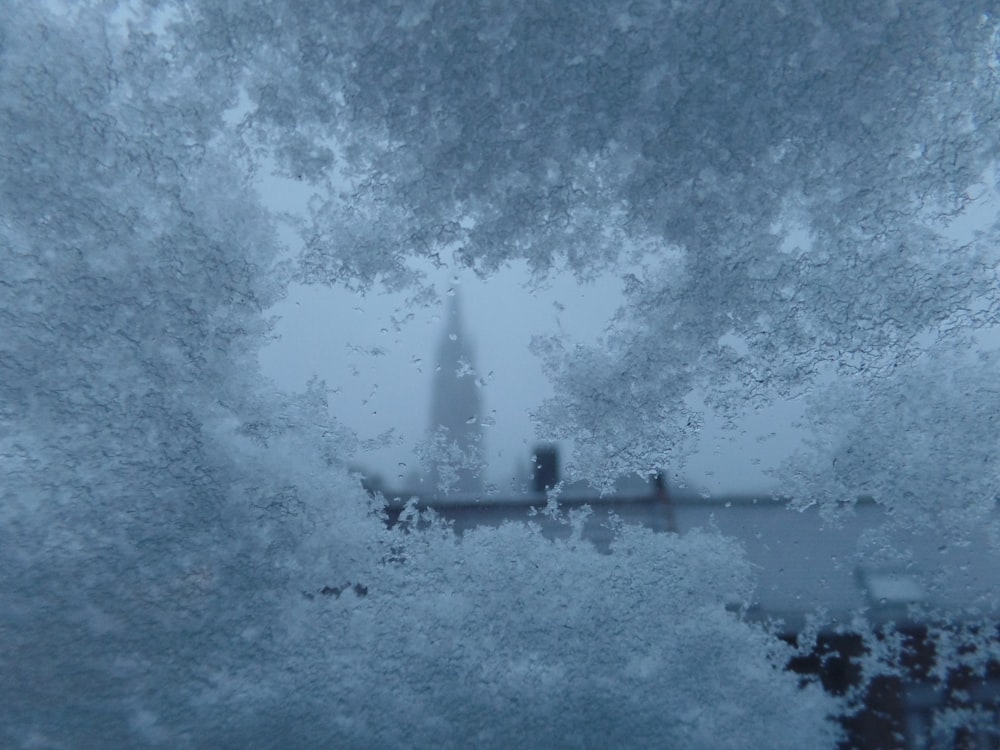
(456, 446)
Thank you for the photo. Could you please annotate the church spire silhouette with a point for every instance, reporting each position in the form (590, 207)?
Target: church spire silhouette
(456, 429)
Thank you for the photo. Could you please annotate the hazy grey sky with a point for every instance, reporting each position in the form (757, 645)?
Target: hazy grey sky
(376, 354)
(379, 369)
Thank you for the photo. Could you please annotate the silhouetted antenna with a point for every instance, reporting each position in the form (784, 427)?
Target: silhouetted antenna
(663, 497)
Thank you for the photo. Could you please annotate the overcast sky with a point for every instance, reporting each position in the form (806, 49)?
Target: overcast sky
(379, 369)
(376, 354)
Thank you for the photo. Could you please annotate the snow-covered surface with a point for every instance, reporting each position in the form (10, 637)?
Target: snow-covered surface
(806, 564)
(892, 588)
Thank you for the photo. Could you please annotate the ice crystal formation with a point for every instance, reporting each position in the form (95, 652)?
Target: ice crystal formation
(779, 177)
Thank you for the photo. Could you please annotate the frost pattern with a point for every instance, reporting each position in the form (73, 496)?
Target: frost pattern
(922, 442)
(184, 560)
(695, 135)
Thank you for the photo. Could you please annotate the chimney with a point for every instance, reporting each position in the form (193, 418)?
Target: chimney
(544, 468)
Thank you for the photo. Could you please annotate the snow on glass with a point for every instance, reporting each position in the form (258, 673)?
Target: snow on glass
(184, 556)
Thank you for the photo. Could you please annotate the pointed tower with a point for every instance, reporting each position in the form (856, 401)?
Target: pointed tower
(456, 430)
